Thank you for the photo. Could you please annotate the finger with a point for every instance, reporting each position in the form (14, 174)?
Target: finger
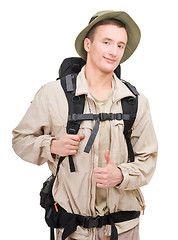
(81, 137)
(73, 147)
(100, 180)
(100, 185)
(99, 170)
(72, 152)
(100, 177)
(74, 143)
(106, 155)
(75, 137)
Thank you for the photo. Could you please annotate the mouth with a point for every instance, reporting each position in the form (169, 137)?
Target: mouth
(110, 60)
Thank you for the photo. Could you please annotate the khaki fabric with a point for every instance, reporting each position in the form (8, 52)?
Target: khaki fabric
(46, 119)
(103, 106)
(132, 234)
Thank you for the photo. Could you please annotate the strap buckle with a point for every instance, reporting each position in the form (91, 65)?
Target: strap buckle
(90, 222)
(118, 116)
(72, 117)
(106, 116)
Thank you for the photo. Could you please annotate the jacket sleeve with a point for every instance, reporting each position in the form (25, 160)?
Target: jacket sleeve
(32, 137)
(144, 142)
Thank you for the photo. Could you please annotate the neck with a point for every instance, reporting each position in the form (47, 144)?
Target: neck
(99, 83)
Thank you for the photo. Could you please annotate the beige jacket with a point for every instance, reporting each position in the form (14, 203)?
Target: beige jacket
(46, 118)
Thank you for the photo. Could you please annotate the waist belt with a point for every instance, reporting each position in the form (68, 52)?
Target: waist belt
(69, 221)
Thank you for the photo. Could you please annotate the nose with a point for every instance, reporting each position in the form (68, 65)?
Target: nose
(113, 50)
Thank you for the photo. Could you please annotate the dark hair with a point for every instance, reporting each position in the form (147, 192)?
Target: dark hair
(110, 21)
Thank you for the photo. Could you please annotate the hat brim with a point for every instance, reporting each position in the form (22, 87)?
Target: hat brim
(133, 32)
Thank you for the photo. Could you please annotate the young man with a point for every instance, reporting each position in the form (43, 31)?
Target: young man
(104, 181)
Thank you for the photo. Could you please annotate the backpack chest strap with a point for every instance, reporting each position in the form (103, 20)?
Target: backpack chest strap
(98, 117)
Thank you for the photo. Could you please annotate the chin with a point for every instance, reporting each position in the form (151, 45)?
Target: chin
(108, 70)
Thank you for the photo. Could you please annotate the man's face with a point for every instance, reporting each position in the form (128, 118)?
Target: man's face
(107, 48)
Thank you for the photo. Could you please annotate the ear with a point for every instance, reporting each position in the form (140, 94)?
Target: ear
(87, 44)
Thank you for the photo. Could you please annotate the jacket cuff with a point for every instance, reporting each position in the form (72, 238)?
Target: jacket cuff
(46, 143)
(125, 180)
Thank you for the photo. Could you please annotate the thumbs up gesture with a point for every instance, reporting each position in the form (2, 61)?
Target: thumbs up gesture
(109, 176)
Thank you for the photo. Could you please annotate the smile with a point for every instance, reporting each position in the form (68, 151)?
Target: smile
(109, 60)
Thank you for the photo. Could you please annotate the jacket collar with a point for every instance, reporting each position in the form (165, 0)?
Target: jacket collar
(120, 89)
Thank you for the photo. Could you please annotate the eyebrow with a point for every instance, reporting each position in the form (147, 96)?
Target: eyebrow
(109, 39)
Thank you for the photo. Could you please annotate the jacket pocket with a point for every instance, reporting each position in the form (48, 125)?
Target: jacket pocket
(140, 198)
(119, 123)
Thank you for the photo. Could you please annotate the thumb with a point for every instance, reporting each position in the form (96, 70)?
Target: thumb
(106, 155)
(81, 137)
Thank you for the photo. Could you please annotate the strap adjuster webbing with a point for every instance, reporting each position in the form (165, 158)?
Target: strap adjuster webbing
(98, 221)
(92, 137)
(101, 116)
(90, 222)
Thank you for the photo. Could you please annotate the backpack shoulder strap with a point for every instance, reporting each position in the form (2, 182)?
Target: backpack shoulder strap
(130, 106)
(75, 106)
(75, 103)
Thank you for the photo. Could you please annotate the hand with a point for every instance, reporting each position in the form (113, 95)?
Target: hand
(67, 145)
(109, 176)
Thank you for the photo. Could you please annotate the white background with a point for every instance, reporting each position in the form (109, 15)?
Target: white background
(35, 36)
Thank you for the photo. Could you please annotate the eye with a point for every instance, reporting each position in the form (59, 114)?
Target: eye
(121, 46)
(106, 42)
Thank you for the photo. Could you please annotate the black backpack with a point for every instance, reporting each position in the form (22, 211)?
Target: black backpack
(68, 72)
(55, 215)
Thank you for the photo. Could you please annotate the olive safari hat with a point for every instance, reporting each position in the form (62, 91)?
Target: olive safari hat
(133, 32)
